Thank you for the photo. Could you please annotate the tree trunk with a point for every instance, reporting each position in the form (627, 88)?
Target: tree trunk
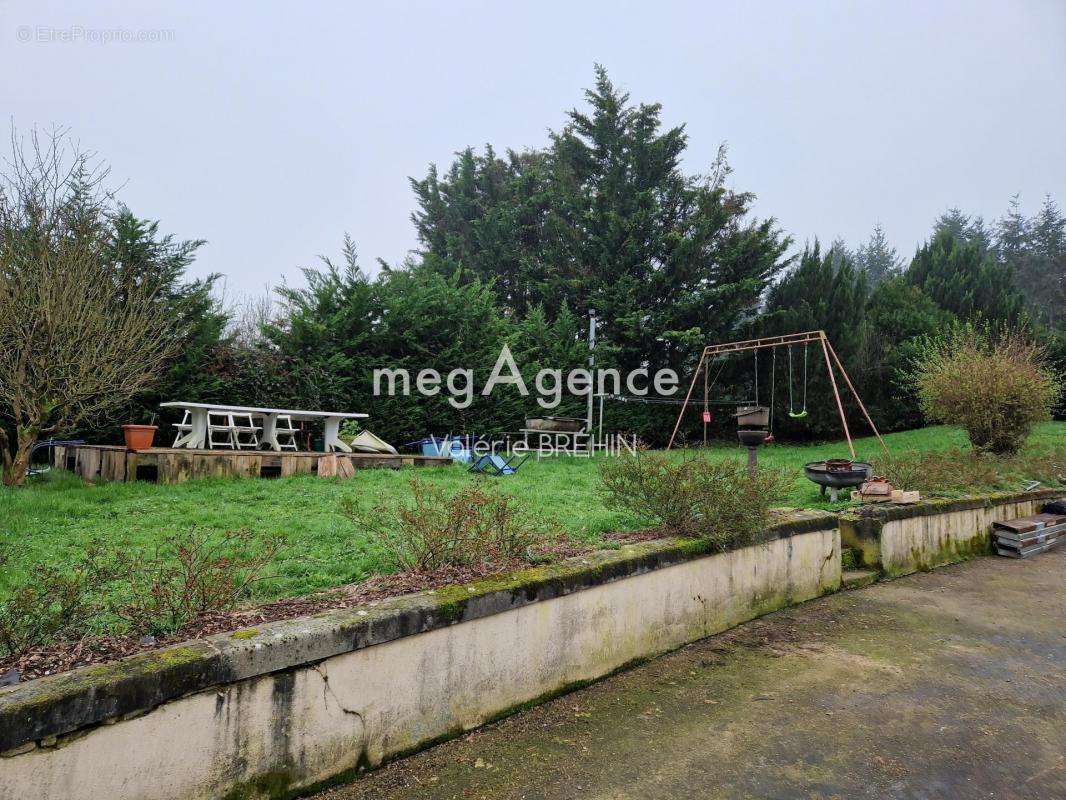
(5, 456)
(15, 466)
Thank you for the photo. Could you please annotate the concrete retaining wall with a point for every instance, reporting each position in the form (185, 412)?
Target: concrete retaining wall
(900, 539)
(291, 705)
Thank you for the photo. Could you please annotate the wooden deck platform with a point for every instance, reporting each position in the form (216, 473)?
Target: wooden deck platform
(96, 462)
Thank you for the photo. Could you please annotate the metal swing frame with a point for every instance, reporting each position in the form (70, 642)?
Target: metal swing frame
(806, 337)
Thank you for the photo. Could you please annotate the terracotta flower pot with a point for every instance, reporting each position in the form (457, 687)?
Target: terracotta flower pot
(139, 437)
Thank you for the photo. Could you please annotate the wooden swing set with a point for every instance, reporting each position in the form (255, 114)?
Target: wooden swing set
(788, 340)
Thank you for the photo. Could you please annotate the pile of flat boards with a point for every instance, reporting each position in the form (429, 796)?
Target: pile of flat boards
(1027, 536)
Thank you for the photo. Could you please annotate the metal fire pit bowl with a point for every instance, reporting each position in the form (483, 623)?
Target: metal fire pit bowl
(833, 475)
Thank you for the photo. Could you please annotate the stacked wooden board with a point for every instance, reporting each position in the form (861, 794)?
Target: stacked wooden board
(895, 496)
(1027, 536)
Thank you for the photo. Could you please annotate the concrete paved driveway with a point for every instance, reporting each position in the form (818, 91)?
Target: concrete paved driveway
(949, 684)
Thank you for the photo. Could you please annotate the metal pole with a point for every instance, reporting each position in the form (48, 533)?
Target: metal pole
(836, 395)
(684, 405)
(766, 341)
(858, 399)
(706, 374)
(592, 364)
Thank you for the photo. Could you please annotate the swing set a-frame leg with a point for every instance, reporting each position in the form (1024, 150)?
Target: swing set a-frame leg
(691, 386)
(836, 393)
(858, 399)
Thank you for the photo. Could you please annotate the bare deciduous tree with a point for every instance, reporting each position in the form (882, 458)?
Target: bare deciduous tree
(77, 338)
(248, 314)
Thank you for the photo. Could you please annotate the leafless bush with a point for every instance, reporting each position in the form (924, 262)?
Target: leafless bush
(190, 574)
(50, 604)
(719, 502)
(940, 471)
(961, 471)
(474, 527)
(248, 315)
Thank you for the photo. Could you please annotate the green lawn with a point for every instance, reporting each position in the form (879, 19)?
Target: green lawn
(55, 519)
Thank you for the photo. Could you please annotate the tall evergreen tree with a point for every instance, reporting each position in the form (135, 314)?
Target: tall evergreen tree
(1012, 234)
(877, 257)
(143, 256)
(1042, 269)
(965, 228)
(604, 218)
(961, 277)
(825, 292)
(838, 252)
(897, 315)
(322, 336)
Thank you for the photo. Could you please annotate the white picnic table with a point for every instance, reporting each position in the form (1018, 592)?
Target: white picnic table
(197, 435)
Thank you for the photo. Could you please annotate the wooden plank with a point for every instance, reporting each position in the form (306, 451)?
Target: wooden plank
(209, 467)
(327, 466)
(88, 464)
(133, 460)
(203, 467)
(371, 461)
(167, 467)
(137, 461)
(246, 466)
(766, 341)
(426, 461)
(173, 466)
(291, 464)
(113, 465)
(184, 467)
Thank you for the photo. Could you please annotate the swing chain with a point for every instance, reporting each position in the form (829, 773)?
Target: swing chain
(791, 407)
(773, 387)
(756, 377)
(791, 404)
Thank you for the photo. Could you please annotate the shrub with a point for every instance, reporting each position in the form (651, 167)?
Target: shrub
(718, 502)
(190, 574)
(52, 604)
(1048, 467)
(960, 471)
(652, 488)
(939, 472)
(349, 429)
(474, 527)
(995, 388)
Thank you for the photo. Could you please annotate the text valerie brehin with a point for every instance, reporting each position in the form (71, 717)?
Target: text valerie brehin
(550, 384)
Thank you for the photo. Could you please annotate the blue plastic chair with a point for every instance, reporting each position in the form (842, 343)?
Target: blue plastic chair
(495, 464)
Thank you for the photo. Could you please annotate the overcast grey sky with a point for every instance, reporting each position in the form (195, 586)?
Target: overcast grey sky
(270, 129)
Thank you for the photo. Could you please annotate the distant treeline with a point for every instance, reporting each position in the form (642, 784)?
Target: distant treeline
(517, 248)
